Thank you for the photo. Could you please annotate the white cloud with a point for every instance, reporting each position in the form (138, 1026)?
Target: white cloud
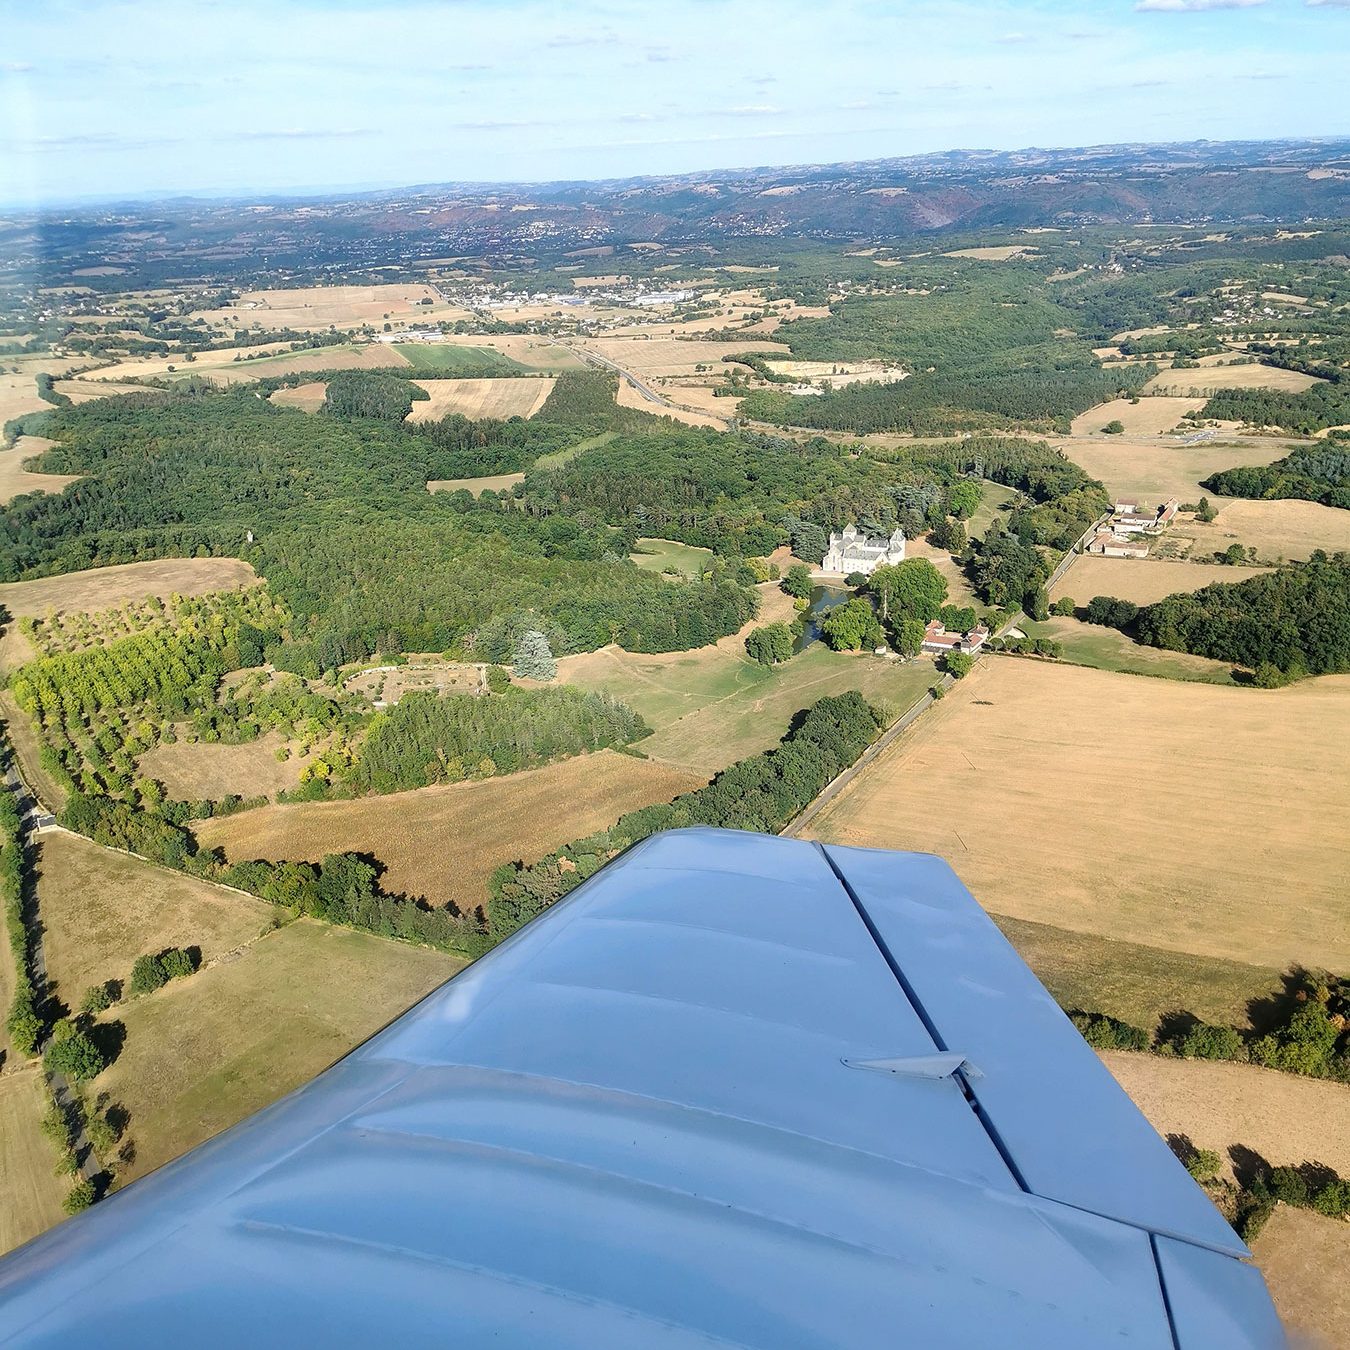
(1192, 6)
(1337, 4)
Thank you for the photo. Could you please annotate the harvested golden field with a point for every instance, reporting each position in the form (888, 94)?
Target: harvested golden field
(15, 480)
(630, 397)
(669, 356)
(1148, 417)
(208, 1050)
(105, 587)
(1230, 377)
(476, 399)
(195, 771)
(1151, 472)
(1141, 809)
(85, 391)
(307, 397)
(1304, 1258)
(102, 909)
(312, 307)
(30, 1193)
(840, 373)
(1286, 530)
(493, 482)
(372, 356)
(1283, 1117)
(998, 253)
(1142, 580)
(442, 843)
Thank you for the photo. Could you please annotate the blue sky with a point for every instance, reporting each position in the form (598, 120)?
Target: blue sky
(256, 96)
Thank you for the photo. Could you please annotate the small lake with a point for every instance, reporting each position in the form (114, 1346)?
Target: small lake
(823, 600)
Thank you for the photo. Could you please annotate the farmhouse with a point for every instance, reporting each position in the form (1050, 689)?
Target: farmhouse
(937, 639)
(1122, 535)
(1111, 545)
(854, 551)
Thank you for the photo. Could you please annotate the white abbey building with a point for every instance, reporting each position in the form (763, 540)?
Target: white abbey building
(854, 551)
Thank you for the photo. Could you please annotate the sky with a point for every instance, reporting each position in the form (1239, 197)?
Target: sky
(256, 97)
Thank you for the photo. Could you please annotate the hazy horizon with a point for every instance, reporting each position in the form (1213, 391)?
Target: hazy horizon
(107, 102)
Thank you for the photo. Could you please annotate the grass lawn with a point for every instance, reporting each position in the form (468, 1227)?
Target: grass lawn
(443, 358)
(993, 502)
(661, 555)
(206, 1051)
(1090, 644)
(1137, 983)
(711, 707)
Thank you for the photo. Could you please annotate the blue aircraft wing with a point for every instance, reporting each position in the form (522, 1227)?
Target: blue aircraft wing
(734, 1091)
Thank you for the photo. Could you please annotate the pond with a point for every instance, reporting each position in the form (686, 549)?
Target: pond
(823, 600)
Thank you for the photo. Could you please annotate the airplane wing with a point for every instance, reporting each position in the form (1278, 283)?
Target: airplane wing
(734, 1091)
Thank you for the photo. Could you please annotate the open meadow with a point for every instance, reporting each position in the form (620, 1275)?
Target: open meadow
(442, 843)
(1280, 530)
(1151, 472)
(102, 909)
(307, 397)
(664, 555)
(206, 1051)
(197, 770)
(30, 1191)
(476, 399)
(492, 482)
(1147, 417)
(1056, 792)
(1142, 580)
(1204, 378)
(1303, 1257)
(655, 356)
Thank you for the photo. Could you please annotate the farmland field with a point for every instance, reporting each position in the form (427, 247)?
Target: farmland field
(1285, 1118)
(442, 843)
(1152, 473)
(203, 1052)
(1230, 377)
(1281, 530)
(313, 307)
(102, 909)
(30, 1193)
(1137, 983)
(1087, 644)
(448, 358)
(105, 587)
(1056, 794)
(307, 397)
(1303, 1257)
(497, 398)
(15, 480)
(649, 356)
(629, 397)
(195, 770)
(1141, 579)
(1148, 417)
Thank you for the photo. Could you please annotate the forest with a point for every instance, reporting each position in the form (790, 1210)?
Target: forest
(1309, 473)
(1316, 409)
(424, 739)
(1282, 625)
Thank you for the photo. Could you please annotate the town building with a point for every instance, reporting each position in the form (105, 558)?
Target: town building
(937, 639)
(854, 551)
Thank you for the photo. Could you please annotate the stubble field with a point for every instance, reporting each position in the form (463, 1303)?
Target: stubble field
(476, 399)
(1148, 417)
(1198, 381)
(1141, 580)
(30, 1192)
(15, 480)
(442, 843)
(1056, 793)
(1151, 472)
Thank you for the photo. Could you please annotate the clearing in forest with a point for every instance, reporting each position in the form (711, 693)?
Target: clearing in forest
(1141, 580)
(30, 1192)
(1102, 648)
(1147, 417)
(101, 909)
(307, 397)
(478, 399)
(1201, 379)
(104, 587)
(198, 770)
(1153, 473)
(204, 1052)
(1057, 793)
(493, 482)
(443, 843)
(664, 555)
